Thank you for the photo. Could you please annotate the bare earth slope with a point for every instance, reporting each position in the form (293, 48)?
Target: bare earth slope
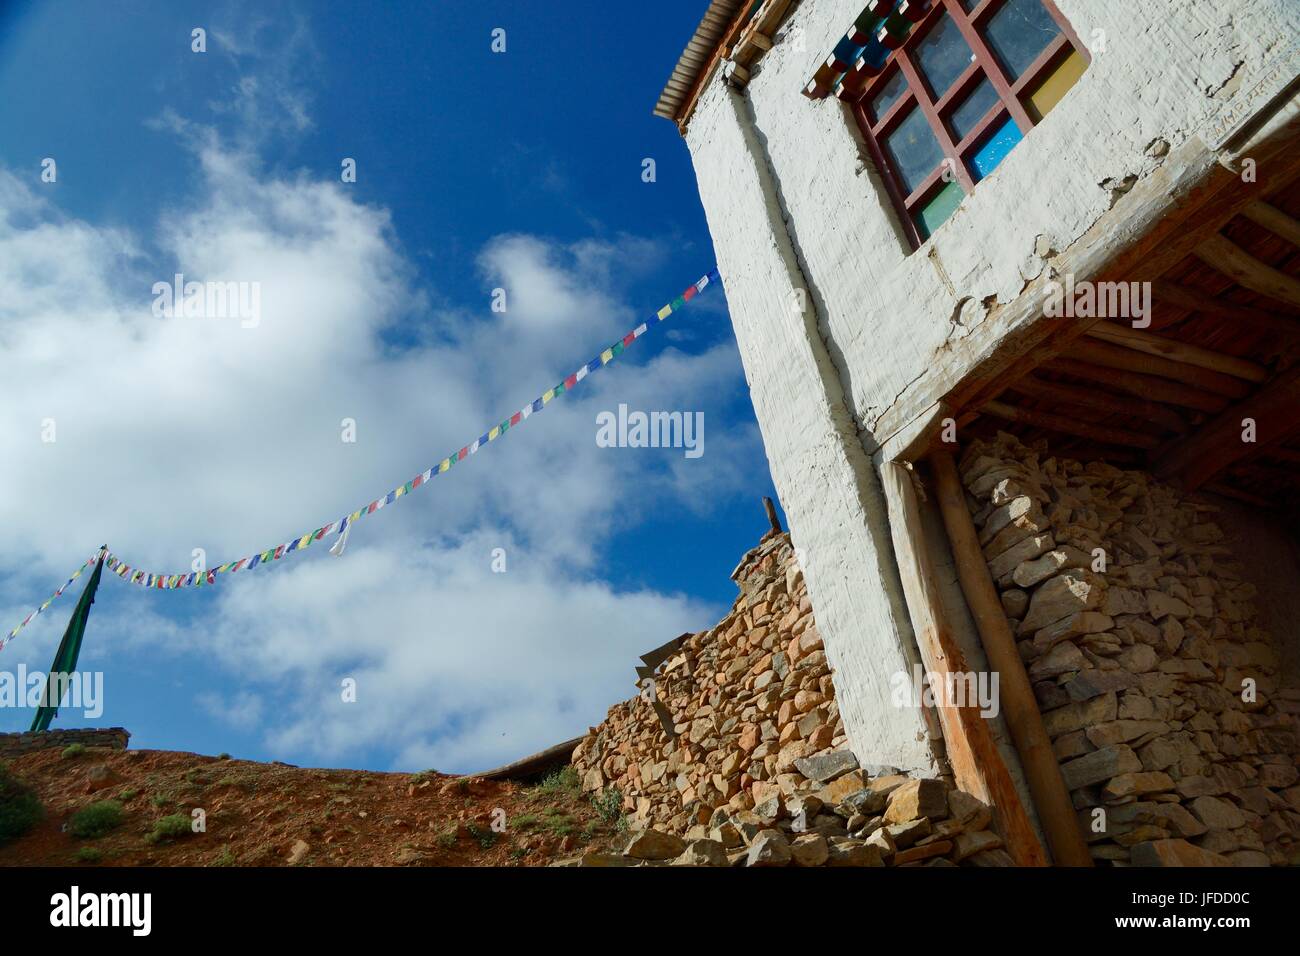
(277, 815)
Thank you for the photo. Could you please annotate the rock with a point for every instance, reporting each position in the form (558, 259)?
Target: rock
(1072, 717)
(1174, 852)
(1217, 814)
(1160, 605)
(852, 853)
(925, 852)
(101, 777)
(727, 835)
(1068, 593)
(1099, 765)
(826, 767)
(702, 853)
(809, 849)
(1093, 683)
(299, 852)
(968, 844)
(651, 844)
(971, 812)
(769, 848)
(1061, 659)
(918, 798)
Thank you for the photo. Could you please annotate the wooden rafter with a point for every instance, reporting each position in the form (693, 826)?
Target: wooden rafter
(1119, 357)
(1173, 294)
(1275, 410)
(1096, 400)
(1221, 253)
(1106, 434)
(1274, 220)
(1177, 351)
(1143, 386)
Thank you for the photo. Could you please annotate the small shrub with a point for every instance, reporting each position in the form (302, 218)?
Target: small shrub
(225, 858)
(486, 838)
(560, 782)
(126, 796)
(609, 806)
(88, 854)
(72, 751)
(171, 827)
(161, 800)
(20, 808)
(223, 756)
(447, 838)
(96, 819)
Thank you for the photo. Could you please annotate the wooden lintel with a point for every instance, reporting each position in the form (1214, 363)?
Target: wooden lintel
(1222, 254)
(1275, 412)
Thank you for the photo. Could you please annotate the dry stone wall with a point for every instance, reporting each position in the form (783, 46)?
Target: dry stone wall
(11, 745)
(745, 759)
(1143, 665)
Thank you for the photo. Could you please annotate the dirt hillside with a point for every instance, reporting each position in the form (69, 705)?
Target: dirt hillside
(279, 815)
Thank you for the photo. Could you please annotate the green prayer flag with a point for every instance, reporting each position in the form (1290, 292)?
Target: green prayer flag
(65, 658)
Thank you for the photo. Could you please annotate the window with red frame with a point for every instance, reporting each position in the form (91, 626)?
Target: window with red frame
(971, 79)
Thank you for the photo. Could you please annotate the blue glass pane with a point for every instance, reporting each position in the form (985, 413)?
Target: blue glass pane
(943, 54)
(913, 150)
(988, 156)
(889, 94)
(1019, 32)
(972, 109)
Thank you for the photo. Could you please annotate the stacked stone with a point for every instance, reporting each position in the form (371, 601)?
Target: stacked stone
(756, 769)
(15, 744)
(1143, 645)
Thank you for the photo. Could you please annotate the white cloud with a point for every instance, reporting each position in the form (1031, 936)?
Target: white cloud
(176, 434)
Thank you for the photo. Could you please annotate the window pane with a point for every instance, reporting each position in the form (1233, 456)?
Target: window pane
(1019, 32)
(988, 156)
(913, 150)
(972, 109)
(932, 215)
(888, 95)
(942, 55)
(1055, 85)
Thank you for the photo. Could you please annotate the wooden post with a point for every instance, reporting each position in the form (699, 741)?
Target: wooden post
(973, 754)
(1055, 811)
(771, 514)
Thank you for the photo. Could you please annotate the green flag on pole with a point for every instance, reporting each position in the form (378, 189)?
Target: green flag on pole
(65, 659)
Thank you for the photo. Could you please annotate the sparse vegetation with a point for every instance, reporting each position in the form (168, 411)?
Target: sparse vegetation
(562, 782)
(88, 854)
(171, 827)
(486, 838)
(447, 838)
(126, 796)
(93, 821)
(225, 858)
(73, 751)
(609, 807)
(20, 808)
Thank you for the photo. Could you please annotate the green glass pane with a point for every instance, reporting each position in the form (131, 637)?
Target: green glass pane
(889, 94)
(1018, 32)
(943, 54)
(913, 150)
(933, 214)
(972, 109)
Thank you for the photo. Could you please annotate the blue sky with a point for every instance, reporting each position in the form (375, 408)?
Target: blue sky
(475, 170)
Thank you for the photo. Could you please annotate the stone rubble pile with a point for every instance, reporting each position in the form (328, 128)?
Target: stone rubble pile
(1143, 665)
(756, 770)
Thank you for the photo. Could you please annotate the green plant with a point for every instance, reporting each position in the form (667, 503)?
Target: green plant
(72, 751)
(88, 854)
(560, 782)
(126, 796)
(162, 798)
(225, 858)
(171, 827)
(96, 819)
(486, 838)
(20, 808)
(447, 838)
(609, 807)
(223, 756)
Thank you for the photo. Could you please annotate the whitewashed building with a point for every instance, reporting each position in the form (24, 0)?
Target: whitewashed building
(898, 192)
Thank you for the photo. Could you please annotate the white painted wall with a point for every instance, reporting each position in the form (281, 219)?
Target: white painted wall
(793, 203)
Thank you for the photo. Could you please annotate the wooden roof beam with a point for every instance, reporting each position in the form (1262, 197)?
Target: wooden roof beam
(1177, 351)
(1274, 220)
(1095, 400)
(1222, 254)
(1275, 409)
(1114, 356)
(1170, 293)
(1106, 434)
(1143, 386)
